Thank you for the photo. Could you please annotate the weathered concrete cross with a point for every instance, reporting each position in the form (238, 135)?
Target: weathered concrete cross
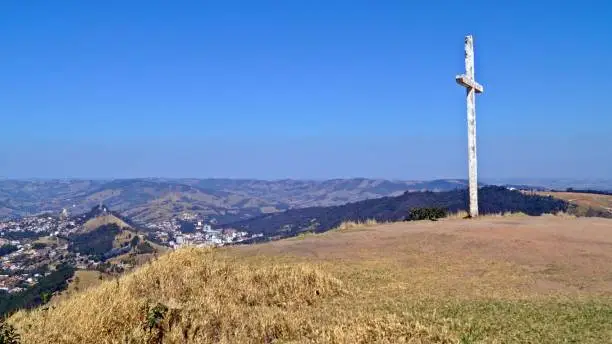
(468, 81)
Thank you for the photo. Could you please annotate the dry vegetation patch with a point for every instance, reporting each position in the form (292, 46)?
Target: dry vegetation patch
(585, 202)
(98, 221)
(490, 280)
(191, 295)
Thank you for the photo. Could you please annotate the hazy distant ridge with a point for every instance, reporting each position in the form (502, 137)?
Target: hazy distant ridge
(225, 200)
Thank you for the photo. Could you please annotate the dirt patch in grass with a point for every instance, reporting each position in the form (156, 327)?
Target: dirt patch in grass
(580, 248)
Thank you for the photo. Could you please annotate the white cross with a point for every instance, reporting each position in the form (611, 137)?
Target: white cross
(468, 81)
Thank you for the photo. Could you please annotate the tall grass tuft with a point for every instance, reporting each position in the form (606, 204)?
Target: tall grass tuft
(355, 225)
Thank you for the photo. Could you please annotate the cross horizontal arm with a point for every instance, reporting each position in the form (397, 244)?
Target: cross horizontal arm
(466, 81)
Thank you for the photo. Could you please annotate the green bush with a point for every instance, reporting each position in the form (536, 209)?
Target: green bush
(432, 214)
(8, 335)
(144, 247)
(38, 245)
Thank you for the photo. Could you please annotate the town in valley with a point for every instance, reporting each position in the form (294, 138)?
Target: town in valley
(33, 247)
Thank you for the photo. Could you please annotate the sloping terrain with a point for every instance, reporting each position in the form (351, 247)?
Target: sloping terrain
(102, 220)
(141, 199)
(492, 200)
(224, 200)
(489, 280)
(103, 233)
(586, 203)
(308, 193)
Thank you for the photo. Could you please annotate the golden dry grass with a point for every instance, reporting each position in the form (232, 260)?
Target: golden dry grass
(584, 201)
(49, 240)
(353, 225)
(96, 222)
(461, 214)
(346, 226)
(82, 280)
(493, 280)
(122, 238)
(209, 298)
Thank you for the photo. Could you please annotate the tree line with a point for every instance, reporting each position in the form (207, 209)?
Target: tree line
(492, 200)
(596, 192)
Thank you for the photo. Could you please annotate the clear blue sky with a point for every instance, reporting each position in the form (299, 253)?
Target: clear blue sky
(302, 89)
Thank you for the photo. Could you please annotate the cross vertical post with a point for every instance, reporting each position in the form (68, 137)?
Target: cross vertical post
(468, 81)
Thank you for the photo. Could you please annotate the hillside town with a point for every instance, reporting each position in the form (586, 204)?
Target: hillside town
(191, 229)
(33, 247)
(29, 262)
(44, 224)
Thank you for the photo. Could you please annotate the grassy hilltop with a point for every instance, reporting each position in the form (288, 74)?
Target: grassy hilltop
(491, 280)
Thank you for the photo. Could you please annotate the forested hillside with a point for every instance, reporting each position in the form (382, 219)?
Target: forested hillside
(492, 199)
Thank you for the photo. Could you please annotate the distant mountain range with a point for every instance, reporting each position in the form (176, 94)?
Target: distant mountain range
(220, 200)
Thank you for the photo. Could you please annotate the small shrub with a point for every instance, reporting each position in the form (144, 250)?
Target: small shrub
(8, 335)
(38, 245)
(432, 214)
(355, 225)
(135, 240)
(154, 318)
(156, 315)
(45, 296)
(144, 247)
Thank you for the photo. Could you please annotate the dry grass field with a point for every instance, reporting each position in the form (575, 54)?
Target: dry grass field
(82, 280)
(98, 221)
(514, 279)
(584, 200)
